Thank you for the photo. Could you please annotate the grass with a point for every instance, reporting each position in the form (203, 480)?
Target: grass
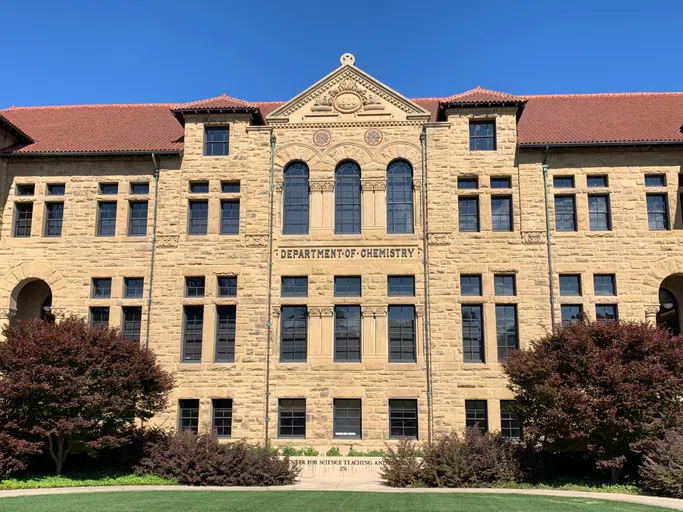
(586, 486)
(299, 501)
(89, 479)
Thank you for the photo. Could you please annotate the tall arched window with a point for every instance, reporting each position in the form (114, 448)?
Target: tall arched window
(400, 197)
(347, 198)
(295, 218)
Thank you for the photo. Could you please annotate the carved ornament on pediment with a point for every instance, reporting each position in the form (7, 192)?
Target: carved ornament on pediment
(439, 238)
(257, 240)
(347, 97)
(533, 237)
(167, 241)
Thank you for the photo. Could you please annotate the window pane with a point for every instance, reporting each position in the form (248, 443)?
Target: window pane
(403, 419)
(347, 419)
(571, 313)
(199, 187)
(53, 219)
(598, 212)
(101, 288)
(501, 182)
(292, 418)
(347, 198)
(56, 189)
(296, 200)
(468, 183)
(510, 426)
(482, 135)
(501, 213)
(604, 284)
(138, 218)
(24, 189)
(192, 333)
(194, 286)
(565, 213)
(133, 287)
(226, 317)
(294, 287)
(655, 180)
(347, 333)
(400, 197)
(657, 212)
(23, 219)
(227, 286)
(401, 286)
(504, 285)
(563, 182)
(139, 188)
(230, 187)
(99, 318)
(109, 188)
(470, 285)
(188, 415)
(597, 181)
(293, 334)
(216, 141)
(199, 217)
(472, 334)
(604, 312)
(347, 286)
(222, 417)
(468, 214)
(106, 219)
(476, 415)
(506, 330)
(570, 284)
(132, 322)
(230, 217)
(402, 334)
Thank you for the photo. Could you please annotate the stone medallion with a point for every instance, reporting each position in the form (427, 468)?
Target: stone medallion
(373, 137)
(322, 138)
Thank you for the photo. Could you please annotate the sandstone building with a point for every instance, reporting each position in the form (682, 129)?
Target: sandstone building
(350, 266)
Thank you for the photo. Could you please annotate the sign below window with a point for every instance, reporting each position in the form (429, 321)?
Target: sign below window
(347, 253)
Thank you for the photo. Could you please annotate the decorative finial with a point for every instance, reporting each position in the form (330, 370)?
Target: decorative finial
(347, 59)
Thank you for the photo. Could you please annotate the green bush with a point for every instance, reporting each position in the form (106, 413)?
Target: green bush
(662, 470)
(289, 450)
(370, 453)
(333, 452)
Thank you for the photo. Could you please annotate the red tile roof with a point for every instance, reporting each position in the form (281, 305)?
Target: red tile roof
(479, 95)
(222, 102)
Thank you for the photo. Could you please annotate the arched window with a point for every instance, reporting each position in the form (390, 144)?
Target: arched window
(295, 218)
(400, 197)
(347, 198)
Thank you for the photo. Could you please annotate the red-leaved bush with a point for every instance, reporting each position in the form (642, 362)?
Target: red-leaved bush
(13, 453)
(662, 470)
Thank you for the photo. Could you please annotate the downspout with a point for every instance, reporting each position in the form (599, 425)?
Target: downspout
(269, 324)
(548, 240)
(154, 247)
(425, 264)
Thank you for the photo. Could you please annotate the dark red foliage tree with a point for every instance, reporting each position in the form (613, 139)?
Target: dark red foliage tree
(72, 387)
(599, 388)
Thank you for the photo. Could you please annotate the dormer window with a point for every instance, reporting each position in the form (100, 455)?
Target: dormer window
(483, 135)
(216, 140)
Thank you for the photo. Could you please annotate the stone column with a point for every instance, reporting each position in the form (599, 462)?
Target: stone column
(367, 204)
(378, 316)
(651, 314)
(420, 348)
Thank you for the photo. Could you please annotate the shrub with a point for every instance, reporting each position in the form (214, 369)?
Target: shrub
(662, 469)
(13, 454)
(401, 466)
(202, 460)
(290, 450)
(333, 452)
(369, 453)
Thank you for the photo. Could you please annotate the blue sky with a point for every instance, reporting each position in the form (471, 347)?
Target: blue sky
(68, 51)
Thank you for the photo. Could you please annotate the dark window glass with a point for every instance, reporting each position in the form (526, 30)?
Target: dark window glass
(199, 187)
(133, 287)
(598, 213)
(402, 334)
(571, 313)
(56, 189)
(99, 318)
(132, 322)
(101, 288)
(565, 213)
(54, 215)
(604, 312)
(109, 188)
(296, 200)
(216, 141)
(347, 286)
(472, 334)
(347, 198)
(563, 182)
(504, 286)
(188, 415)
(655, 180)
(597, 181)
(506, 330)
(294, 287)
(482, 135)
(347, 328)
(226, 317)
(501, 213)
(199, 217)
(230, 217)
(476, 415)
(24, 189)
(468, 183)
(293, 334)
(139, 188)
(604, 284)
(468, 214)
(501, 182)
(137, 221)
(192, 333)
(292, 418)
(401, 286)
(403, 419)
(227, 286)
(657, 212)
(510, 426)
(230, 187)
(470, 286)
(570, 284)
(23, 219)
(347, 419)
(400, 197)
(106, 218)
(194, 286)
(222, 417)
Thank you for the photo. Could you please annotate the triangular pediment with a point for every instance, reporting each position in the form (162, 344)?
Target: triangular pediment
(347, 95)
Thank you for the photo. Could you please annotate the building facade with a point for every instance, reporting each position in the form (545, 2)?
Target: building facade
(351, 266)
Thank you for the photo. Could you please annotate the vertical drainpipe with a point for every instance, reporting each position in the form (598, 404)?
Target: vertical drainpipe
(548, 240)
(425, 263)
(270, 283)
(154, 247)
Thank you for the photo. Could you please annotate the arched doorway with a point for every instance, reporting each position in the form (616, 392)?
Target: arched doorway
(31, 298)
(670, 296)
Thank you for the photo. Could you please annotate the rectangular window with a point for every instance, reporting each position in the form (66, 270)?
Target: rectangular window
(470, 285)
(226, 318)
(132, 322)
(402, 419)
(26, 189)
(294, 287)
(230, 217)
(657, 212)
(194, 286)
(216, 141)
(401, 286)
(570, 285)
(199, 217)
(565, 213)
(501, 213)
(188, 415)
(468, 183)
(597, 181)
(106, 218)
(23, 219)
(563, 181)
(655, 180)
(347, 419)
(101, 288)
(192, 333)
(473, 334)
(230, 187)
(292, 418)
(56, 189)
(599, 213)
(137, 219)
(604, 312)
(99, 318)
(468, 214)
(347, 332)
(347, 286)
(501, 182)
(571, 313)
(227, 286)
(294, 334)
(482, 135)
(109, 189)
(476, 415)
(604, 284)
(402, 334)
(133, 287)
(199, 187)
(54, 215)
(510, 426)
(139, 188)
(504, 285)
(222, 417)
(506, 330)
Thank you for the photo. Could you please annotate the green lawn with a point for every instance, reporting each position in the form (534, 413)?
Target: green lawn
(301, 501)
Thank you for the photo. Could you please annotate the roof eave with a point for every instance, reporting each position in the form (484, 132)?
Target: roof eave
(471, 104)
(15, 129)
(179, 113)
(164, 152)
(531, 145)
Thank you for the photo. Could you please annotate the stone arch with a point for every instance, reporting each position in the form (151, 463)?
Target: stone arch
(399, 151)
(296, 151)
(347, 151)
(14, 281)
(659, 271)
